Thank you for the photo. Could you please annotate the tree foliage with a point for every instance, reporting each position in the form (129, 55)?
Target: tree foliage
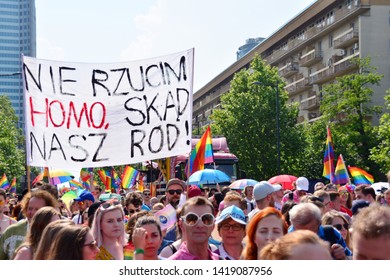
(12, 156)
(248, 120)
(381, 153)
(346, 106)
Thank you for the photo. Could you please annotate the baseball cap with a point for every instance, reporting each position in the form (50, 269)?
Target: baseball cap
(302, 184)
(232, 212)
(85, 195)
(264, 188)
(176, 181)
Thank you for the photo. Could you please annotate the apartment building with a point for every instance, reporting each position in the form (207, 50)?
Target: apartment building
(17, 36)
(311, 50)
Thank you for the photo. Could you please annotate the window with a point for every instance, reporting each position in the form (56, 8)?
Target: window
(330, 38)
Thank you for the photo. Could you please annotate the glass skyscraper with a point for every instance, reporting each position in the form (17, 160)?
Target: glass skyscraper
(17, 36)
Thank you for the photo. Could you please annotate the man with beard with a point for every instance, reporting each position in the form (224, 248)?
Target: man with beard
(174, 189)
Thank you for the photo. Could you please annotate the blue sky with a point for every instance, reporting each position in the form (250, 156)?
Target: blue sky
(126, 30)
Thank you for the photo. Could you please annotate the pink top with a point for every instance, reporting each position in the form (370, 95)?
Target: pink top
(184, 254)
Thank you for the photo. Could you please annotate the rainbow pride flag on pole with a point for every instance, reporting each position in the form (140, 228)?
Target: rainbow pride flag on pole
(13, 186)
(4, 184)
(341, 175)
(328, 157)
(360, 176)
(202, 153)
(129, 177)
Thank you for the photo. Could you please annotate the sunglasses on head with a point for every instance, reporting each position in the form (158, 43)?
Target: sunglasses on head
(107, 205)
(191, 219)
(172, 192)
(340, 226)
(132, 211)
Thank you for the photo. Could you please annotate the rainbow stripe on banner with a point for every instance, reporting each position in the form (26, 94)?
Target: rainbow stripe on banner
(166, 216)
(129, 177)
(4, 184)
(328, 158)
(202, 153)
(341, 173)
(360, 176)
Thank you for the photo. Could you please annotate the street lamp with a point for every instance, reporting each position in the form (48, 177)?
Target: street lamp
(277, 119)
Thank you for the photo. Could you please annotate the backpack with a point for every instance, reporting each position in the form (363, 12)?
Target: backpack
(329, 234)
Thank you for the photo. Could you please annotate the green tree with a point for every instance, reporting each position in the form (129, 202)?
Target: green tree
(346, 106)
(248, 120)
(381, 153)
(12, 156)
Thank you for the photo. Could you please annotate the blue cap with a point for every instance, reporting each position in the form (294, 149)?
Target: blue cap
(357, 205)
(232, 212)
(85, 195)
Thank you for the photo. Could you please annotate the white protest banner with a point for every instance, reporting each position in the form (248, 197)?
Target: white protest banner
(93, 115)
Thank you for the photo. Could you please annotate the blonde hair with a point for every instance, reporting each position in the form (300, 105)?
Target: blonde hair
(96, 224)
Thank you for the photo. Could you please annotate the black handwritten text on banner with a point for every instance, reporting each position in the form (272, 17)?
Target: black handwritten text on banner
(91, 115)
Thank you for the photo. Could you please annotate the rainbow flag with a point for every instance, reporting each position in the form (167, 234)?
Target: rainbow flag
(341, 175)
(328, 158)
(117, 181)
(166, 216)
(360, 176)
(4, 184)
(129, 177)
(13, 186)
(85, 173)
(202, 153)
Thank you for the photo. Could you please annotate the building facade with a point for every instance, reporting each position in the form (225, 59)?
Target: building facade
(17, 36)
(311, 50)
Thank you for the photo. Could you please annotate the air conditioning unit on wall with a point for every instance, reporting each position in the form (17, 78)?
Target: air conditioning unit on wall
(339, 52)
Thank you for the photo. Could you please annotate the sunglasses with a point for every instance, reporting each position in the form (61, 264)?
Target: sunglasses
(233, 227)
(132, 211)
(146, 194)
(172, 192)
(107, 205)
(6, 213)
(91, 245)
(340, 226)
(192, 219)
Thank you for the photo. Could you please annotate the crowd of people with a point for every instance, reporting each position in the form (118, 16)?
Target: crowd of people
(260, 222)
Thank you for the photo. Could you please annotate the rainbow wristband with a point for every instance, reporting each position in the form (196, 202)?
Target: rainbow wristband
(139, 251)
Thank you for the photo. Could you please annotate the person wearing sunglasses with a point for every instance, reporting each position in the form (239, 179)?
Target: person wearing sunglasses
(197, 223)
(339, 222)
(5, 220)
(133, 203)
(108, 229)
(231, 228)
(175, 187)
(307, 216)
(84, 200)
(146, 198)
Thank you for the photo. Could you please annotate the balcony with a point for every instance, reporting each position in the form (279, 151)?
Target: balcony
(347, 38)
(310, 58)
(289, 69)
(339, 68)
(298, 86)
(310, 103)
(340, 15)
